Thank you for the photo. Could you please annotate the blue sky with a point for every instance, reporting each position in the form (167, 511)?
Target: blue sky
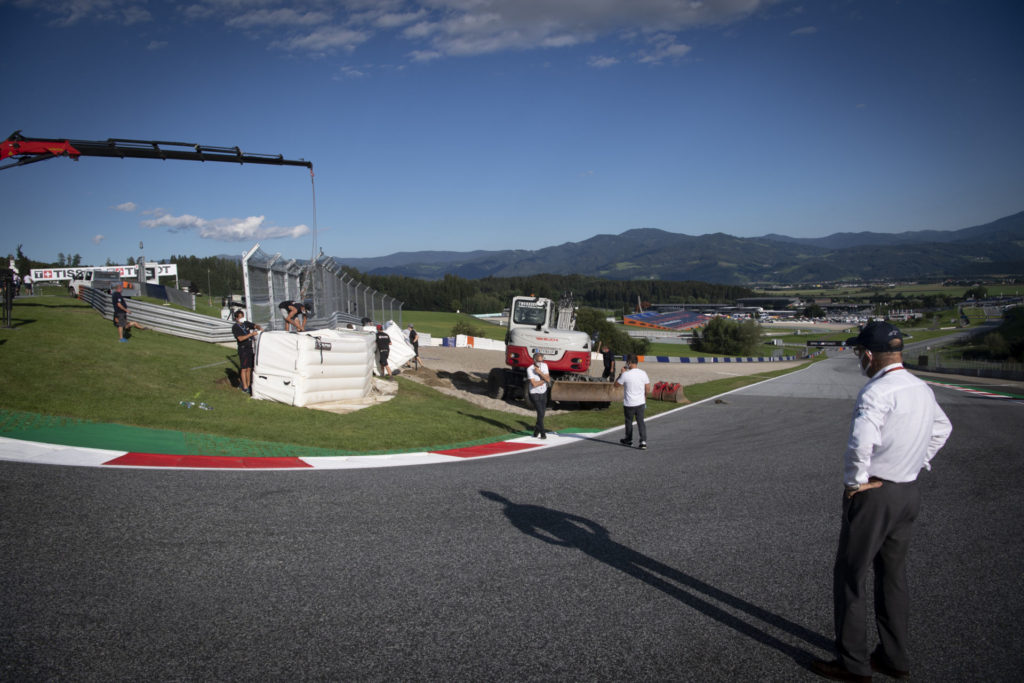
(496, 124)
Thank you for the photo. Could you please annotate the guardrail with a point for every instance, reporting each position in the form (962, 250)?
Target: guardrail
(189, 325)
(164, 318)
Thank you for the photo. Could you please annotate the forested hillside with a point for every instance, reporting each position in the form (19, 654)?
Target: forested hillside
(492, 294)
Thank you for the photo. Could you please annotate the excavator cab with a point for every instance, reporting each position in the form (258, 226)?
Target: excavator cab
(530, 312)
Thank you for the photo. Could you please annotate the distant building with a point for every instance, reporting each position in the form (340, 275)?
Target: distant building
(769, 302)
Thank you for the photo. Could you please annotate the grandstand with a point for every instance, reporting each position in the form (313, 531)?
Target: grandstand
(672, 321)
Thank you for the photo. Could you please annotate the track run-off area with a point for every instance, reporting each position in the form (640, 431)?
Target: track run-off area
(707, 557)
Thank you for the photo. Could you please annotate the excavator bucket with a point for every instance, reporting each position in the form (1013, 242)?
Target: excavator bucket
(585, 392)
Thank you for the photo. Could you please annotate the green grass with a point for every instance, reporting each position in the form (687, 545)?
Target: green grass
(62, 360)
(908, 290)
(674, 350)
(440, 324)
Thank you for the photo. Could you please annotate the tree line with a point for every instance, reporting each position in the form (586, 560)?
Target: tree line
(208, 274)
(492, 294)
(219, 275)
(214, 275)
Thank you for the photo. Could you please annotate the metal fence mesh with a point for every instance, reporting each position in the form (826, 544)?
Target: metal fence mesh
(336, 297)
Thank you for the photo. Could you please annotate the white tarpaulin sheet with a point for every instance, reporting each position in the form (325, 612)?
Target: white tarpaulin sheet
(401, 350)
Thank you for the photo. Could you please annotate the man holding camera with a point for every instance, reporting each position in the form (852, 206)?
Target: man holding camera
(635, 384)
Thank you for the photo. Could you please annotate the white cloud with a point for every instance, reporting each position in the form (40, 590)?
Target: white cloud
(663, 47)
(386, 21)
(197, 12)
(226, 229)
(326, 38)
(126, 206)
(135, 15)
(424, 55)
(468, 27)
(804, 31)
(97, 239)
(70, 12)
(347, 72)
(438, 28)
(156, 45)
(602, 62)
(278, 17)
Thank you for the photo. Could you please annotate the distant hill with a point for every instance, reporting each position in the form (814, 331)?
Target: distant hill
(996, 248)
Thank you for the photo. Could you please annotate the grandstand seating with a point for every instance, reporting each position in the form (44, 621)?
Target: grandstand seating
(674, 321)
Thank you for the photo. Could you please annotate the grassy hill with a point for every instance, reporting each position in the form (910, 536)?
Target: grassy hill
(63, 359)
(61, 364)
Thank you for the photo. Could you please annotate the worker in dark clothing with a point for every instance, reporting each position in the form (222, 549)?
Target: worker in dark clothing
(414, 339)
(291, 311)
(244, 331)
(383, 349)
(609, 363)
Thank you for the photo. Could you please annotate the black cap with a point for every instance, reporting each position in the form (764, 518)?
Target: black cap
(878, 336)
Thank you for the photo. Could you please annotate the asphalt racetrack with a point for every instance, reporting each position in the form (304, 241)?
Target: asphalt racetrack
(706, 558)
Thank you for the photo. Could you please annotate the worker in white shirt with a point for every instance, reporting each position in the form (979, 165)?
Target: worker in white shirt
(635, 384)
(539, 378)
(897, 429)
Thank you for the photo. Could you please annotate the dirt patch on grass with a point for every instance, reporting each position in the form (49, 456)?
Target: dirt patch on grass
(463, 372)
(468, 386)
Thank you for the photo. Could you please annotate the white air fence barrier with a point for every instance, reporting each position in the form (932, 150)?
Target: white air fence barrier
(308, 368)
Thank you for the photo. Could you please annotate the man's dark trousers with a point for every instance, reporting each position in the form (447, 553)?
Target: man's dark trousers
(636, 412)
(876, 532)
(540, 402)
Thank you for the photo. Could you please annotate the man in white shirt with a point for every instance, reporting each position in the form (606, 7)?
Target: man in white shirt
(635, 384)
(539, 378)
(897, 429)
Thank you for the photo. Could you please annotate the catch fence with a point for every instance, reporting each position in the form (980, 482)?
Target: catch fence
(337, 298)
(950, 364)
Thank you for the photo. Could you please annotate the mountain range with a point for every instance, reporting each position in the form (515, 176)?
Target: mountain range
(994, 249)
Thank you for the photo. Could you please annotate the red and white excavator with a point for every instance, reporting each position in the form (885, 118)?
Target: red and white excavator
(540, 325)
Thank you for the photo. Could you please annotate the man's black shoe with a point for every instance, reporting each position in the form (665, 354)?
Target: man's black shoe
(626, 442)
(835, 671)
(879, 665)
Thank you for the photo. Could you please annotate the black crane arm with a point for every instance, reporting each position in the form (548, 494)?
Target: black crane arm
(30, 150)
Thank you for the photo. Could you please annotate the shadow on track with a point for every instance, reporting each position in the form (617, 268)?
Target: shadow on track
(572, 531)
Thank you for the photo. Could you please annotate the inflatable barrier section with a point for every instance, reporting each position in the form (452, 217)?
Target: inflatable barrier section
(312, 367)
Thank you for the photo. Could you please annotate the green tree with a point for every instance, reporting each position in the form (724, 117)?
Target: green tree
(464, 327)
(997, 346)
(728, 337)
(976, 292)
(593, 322)
(21, 262)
